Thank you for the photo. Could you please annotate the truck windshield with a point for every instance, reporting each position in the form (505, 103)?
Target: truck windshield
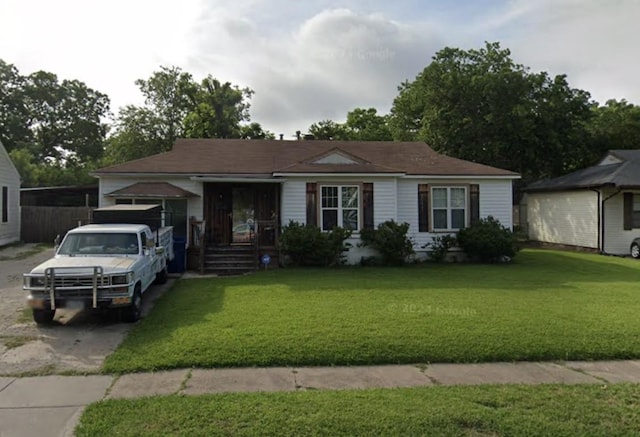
(99, 244)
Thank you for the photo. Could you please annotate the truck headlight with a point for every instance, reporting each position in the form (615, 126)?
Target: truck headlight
(122, 279)
(36, 281)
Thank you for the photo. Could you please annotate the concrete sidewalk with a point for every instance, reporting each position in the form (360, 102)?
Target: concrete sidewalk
(52, 405)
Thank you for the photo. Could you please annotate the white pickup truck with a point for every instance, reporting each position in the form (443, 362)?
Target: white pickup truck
(100, 266)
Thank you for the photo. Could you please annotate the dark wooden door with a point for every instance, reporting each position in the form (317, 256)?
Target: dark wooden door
(218, 214)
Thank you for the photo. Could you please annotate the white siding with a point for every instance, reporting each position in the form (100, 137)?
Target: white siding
(385, 200)
(9, 177)
(616, 240)
(568, 217)
(408, 211)
(293, 203)
(496, 200)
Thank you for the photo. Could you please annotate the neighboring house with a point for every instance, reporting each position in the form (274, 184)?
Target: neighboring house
(596, 208)
(245, 190)
(9, 199)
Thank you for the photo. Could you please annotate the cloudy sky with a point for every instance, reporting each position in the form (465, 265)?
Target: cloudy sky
(316, 59)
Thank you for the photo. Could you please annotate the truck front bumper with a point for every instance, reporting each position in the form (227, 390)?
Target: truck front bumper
(77, 302)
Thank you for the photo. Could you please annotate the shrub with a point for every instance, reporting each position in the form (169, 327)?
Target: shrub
(488, 241)
(440, 246)
(307, 245)
(390, 241)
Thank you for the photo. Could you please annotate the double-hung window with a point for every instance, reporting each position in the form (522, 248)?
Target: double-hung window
(340, 206)
(449, 208)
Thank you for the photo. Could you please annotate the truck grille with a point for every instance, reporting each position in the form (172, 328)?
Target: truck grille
(79, 281)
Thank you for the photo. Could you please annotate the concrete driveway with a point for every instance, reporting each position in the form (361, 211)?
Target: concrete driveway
(76, 342)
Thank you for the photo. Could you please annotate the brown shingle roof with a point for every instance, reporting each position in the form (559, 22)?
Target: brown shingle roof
(265, 157)
(152, 189)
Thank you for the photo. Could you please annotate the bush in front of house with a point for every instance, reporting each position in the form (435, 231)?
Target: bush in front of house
(440, 246)
(390, 240)
(307, 245)
(488, 241)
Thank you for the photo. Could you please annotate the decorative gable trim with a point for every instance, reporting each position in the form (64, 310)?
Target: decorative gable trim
(610, 159)
(337, 156)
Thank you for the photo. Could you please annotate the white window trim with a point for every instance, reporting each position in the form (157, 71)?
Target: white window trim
(340, 209)
(449, 220)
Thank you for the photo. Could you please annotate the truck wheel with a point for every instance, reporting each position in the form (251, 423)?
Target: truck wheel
(162, 276)
(635, 251)
(131, 314)
(43, 317)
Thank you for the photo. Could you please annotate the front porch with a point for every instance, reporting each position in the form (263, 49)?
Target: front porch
(240, 226)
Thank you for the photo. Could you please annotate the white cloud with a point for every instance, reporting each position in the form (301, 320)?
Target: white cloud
(318, 59)
(333, 62)
(593, 42)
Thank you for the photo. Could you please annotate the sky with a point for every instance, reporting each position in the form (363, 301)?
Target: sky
(317, 59)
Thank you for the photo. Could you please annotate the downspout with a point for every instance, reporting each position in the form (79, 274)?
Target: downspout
(602, 212)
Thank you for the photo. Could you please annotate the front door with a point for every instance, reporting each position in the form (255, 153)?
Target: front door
(243, 214)
(218, 202)
(233, 212)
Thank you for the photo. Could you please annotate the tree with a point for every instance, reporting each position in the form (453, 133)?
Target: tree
(327, 130)
(254, 131)
(615, 125)
(361, 125)
(219, 111)
(139, 133)
(55, 125)
(178, 107)
(366, 125)
(481, 106)
(14, 118)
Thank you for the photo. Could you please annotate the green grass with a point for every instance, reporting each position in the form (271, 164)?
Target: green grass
(547, 305)
(549, 410)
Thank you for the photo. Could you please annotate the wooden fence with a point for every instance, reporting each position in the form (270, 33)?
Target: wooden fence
(41, 224)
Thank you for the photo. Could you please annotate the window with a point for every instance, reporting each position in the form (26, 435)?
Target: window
(636, 211)
(448, 208)
(5, 204)
(340, 206)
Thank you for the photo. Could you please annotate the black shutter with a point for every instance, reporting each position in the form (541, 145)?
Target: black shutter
(312, 203)
(367, 205)
(5, 204)
(474, 203)
(627, 211)
(423, 207)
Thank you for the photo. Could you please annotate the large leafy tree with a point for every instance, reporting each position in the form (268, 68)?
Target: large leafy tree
(327, 130)
(482, 106)
(176, 106)
(361, 125)
(615, 125)
(56, 126)
(220, 109)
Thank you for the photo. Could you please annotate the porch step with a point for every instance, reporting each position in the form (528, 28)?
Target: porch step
(231, 260)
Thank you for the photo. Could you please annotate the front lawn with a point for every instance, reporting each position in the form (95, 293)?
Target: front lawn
(548, 410)
(547, 305)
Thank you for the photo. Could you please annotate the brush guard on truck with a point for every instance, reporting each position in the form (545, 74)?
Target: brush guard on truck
(93, 274)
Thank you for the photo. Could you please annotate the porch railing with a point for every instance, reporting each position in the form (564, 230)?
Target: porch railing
(198, 239)
(266, 234)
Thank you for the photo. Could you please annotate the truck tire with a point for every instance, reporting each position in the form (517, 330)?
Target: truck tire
(43, 317)
(131, 314)
(162, 276)
(635, 251)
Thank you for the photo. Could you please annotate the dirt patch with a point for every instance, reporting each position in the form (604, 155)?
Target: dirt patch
(77, 342)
